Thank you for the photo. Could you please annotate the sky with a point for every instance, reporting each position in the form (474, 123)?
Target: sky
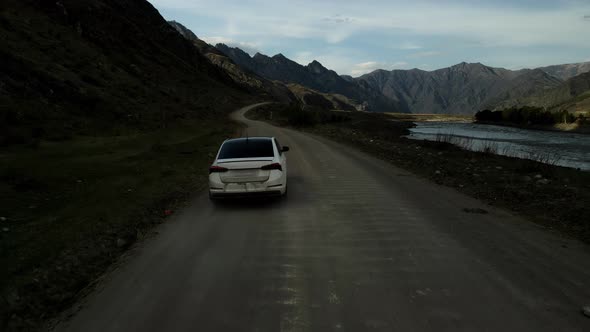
(356, 37)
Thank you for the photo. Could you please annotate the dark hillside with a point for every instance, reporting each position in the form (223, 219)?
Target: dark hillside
(108, 119)
(79, 67)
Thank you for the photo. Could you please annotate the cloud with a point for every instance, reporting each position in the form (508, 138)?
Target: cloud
(480, 31)
(339, 19)
(425, 54)
(250, 48)
(409, 46)
(492, 25)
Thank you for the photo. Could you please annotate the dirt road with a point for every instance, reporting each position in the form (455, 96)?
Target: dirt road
(358, 245)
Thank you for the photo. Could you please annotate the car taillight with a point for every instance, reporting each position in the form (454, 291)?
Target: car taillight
(217, 169)
(272, 166)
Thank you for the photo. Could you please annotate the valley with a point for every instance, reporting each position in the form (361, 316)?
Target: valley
(110, 115)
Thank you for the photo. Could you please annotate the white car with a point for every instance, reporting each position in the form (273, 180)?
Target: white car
(249, 166)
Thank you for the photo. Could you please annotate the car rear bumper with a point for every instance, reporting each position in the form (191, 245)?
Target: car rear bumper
(275, 186)
(267, 193)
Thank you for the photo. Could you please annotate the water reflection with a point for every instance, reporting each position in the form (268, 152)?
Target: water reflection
(564, 149)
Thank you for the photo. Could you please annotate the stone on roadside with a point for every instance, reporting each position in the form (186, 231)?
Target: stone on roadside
(538, 176)
(527, 178)
(3, 219)
(437, 172)
(543, 181)
(121, 243)
(586, 310)
(5, 229)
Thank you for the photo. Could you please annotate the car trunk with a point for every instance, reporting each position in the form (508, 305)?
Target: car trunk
(241, 171)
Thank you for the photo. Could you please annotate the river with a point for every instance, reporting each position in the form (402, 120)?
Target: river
(558, 148)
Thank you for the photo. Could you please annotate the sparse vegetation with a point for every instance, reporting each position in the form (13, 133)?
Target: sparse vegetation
(299, 116)
(69, 209)
(526, 116)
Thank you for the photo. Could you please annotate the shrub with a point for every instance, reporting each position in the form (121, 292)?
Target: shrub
(525, 116)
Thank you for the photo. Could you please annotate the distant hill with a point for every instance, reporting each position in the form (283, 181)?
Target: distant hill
(242, 76)
(572, 95)
(460, 89)
(464, 88)
(90, 67)
(273, 90)
(313, 76)
(567, 71)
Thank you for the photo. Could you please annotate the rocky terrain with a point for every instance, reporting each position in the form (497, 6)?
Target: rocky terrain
(89, 64)
(573, 96)
(313, 76)
(567, 71)
(273, 89)
(460, 89)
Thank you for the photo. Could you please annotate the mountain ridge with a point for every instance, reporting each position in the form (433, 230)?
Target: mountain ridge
(463, 88)
(313, 75)
(242, 75)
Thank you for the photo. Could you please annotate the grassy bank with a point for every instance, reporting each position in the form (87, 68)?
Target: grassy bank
(552, 196)
(430, 117)
(536, 118)
(71, 208)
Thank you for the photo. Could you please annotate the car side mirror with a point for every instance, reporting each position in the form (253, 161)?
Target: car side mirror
(285, 149)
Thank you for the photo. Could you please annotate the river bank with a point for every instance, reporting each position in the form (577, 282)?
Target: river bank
(430, 117)
(552, 196)
(559, 127)
(556, 148)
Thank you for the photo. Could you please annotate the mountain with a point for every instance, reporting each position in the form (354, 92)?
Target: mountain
(307, 96)
(464, 88)
(249, 80)
(567, 71)
(313, 76)
(529, 82)
(273, 90)
(90, 67)
(572, 95)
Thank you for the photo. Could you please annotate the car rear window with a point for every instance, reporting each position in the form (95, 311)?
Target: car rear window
(247, 148)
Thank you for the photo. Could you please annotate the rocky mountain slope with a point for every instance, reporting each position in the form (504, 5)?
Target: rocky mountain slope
(567, 71)
(273, 90)
(249, 80)
(313, 76)
(573, 96)
(461, 89)
(92, 67)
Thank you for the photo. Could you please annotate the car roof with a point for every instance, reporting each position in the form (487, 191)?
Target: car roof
(256, 138)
